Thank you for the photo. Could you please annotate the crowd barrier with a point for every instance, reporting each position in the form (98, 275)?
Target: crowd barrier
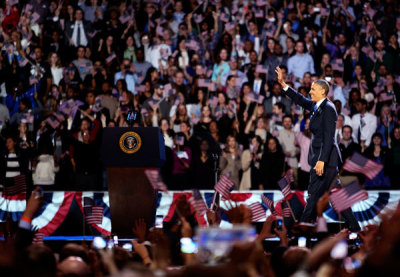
(64, 206)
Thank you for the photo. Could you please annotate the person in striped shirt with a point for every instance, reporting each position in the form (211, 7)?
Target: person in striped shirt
(13, 162)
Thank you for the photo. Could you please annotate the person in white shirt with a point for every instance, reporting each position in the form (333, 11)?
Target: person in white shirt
(300, 63)
(77, 31)
(126, 75)
(364, 124)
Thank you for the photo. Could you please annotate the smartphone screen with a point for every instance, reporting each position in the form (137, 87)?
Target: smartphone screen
(302, 241)
(188, 246)
(279, 224)
(99, 243)
(159, 221)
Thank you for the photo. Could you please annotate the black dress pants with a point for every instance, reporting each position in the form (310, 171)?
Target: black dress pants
(317, 187)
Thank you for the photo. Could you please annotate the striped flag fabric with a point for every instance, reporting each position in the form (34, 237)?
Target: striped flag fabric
(197, 202)
(224, 186)
(93, 213)
(260, 68)
(285, 209)
(18, 187)
(343, 198)
(284, 186)
(253, 97)
(38, 238)
(289, 176)
(269, 203)
(337, 65)
(360, 164)
(257, 212)
(155, 180)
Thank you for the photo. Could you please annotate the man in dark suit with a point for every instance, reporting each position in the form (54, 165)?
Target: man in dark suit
(277, 97)
(78, 32)
(324, 153)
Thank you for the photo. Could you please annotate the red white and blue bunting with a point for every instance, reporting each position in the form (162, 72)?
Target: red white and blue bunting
(57, 206)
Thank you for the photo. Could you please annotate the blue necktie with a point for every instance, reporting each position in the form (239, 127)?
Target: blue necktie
(313, 111)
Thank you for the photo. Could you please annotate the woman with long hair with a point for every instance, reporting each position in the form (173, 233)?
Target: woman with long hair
(167, 132)
(203, 167)
(380, 154)
(180, 116)
(251, 164)
(230, 161)
(221, 66)
(272, 164)
(56, 70)
(129, 52)
(182, 157)
(13, 163)
(205, 120)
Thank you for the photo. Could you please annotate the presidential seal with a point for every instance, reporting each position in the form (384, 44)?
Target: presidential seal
(130, 142)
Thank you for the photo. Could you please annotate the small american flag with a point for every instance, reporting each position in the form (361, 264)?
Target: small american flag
(18, 187)
(180, 140)
(141, 88)
(261, 3)
(198, 18)
(213, 101)
(53, 122)
(38, 238)
(260, 68)
(257, 212)
(160, 31)
(124, 18)
(224, 17)
(324, 12)
(337, 65)
(253, 97)
(111, 57)
(144, 112)
(28, 117)
(386, 97)
(284, 187)
(269, 203)
(197, 202)
(360, 164)
(93, 213)
(224, 186)
(60, 117)
(204, 83)
(285, 209)
(343, 198)
(168, 90)
(155, 180)
(229, 26)
(259, 13)
(289, 176)
(22, 61)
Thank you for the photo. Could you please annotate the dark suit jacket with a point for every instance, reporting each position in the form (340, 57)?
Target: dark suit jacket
(322, 125)
(69, 30)
(268, 104)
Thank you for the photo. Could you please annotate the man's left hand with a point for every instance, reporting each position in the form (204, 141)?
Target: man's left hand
(319, 168)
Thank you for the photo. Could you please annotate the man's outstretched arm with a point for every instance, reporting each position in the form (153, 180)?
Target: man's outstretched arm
(294, 95)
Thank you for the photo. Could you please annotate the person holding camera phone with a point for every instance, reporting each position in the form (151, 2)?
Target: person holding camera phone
(324, 154)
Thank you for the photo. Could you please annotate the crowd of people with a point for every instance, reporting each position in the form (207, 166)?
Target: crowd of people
(203, 72)
(174, 250)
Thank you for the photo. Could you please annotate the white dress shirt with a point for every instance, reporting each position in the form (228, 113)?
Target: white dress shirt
(83, 39)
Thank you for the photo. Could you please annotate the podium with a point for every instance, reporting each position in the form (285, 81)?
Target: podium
(126, 153)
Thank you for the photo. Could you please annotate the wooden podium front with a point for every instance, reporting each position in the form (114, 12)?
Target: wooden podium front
(127, 153)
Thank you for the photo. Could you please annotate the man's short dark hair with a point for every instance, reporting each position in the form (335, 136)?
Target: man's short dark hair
(280, 106)
(230, 77)
(287, 116)
(362, 101)
(348, 126)
(323, 84)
